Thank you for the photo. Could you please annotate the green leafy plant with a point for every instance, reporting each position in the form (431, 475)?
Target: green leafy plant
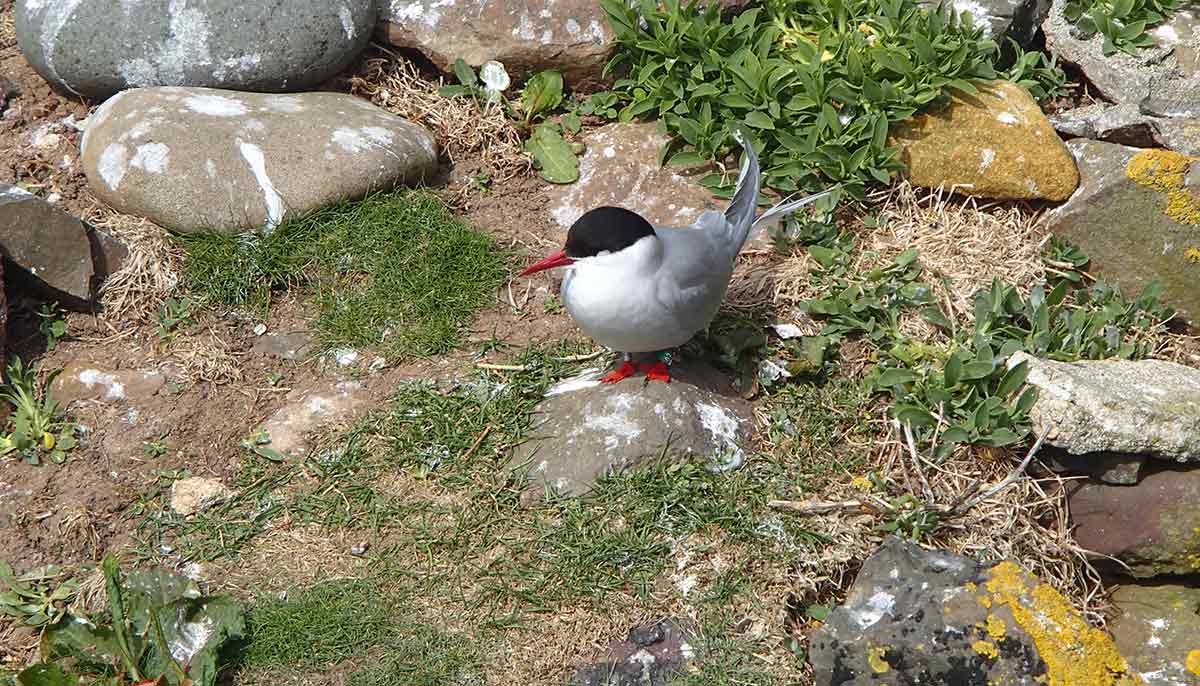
(159, 629)
(1123, 23)
(259, 442)
(552, 154)
(542, 93)
(37, 425)
(33, 598)
(603, 104)
(817, 82)
(968, 392)
(52, 325)
(1037, 72)
(172, 316)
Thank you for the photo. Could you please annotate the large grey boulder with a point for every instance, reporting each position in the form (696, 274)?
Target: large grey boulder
(95, 48)
(585, 430)
(67, 259)
(915, 616)
(192, 159)
(1135, 215)
(1147, 407)
(1001, 19)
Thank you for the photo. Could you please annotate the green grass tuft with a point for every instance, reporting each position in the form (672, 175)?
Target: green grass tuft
(396, 271)
(326, 623)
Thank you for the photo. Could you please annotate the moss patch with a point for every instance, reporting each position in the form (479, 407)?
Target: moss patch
(397, 271)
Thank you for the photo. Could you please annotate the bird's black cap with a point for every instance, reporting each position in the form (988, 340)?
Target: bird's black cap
(609, 229)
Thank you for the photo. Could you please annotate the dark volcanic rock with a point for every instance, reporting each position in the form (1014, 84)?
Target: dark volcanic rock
(650, 656)
(925, 617)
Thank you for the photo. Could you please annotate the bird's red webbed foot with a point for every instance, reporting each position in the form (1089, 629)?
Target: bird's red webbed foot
(625, 371)
(659, 371)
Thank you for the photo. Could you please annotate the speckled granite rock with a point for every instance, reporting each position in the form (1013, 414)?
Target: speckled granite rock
(585, 430)
(925, 617)
(527, 36)
(192, 159)
(1146, 407)
(620, 167)
(96, 48)
(996, 144)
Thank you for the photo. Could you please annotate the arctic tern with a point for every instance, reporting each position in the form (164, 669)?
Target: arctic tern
(636, 287)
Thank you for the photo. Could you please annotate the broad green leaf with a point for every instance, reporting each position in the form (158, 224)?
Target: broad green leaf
(46, 674)
(464, 73)
(759, 121)
(553, 154)
(543, 92)
(895, 377)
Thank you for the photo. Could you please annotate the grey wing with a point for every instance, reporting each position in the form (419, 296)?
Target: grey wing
(697, 262)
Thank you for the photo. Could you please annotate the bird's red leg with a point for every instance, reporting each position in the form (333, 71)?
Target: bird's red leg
(625, 371)
(660, 370)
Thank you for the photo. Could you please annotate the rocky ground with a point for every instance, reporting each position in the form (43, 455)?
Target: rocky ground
(276, 401)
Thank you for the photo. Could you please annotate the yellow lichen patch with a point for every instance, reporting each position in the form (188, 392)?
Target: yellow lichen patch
(875, 659)
(970, 586)
(986, 649)
(1165, 171)
(1192, 254)
(996, 627)
(862, 483)
(1193, 662)
(985, 601)
(1075, 653)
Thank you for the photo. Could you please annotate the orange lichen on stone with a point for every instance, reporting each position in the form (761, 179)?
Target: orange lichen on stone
(875, 659)
(996, 627)
(986, 649)
(1193, 662)
(1075, 653)
(1165, 171)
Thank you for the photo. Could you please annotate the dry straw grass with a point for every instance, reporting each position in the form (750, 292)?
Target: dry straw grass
(150, 273)
(206, 357)
(464, 130)
(8, 29)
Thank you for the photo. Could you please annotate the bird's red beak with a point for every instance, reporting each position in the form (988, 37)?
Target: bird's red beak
(558, 259)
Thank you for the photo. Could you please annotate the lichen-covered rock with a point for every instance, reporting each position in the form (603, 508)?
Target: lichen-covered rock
(925, 617)
(1138, 219)
(1151, 529)
(62, 253)
(585, 430)
(192, 159)
(997, 144)
(620, 167)
(96, 48)
(1158, 629)
(1148, 407)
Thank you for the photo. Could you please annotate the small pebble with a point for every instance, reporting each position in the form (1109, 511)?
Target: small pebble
(378, 363)
(260, 329)
(360, 549)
